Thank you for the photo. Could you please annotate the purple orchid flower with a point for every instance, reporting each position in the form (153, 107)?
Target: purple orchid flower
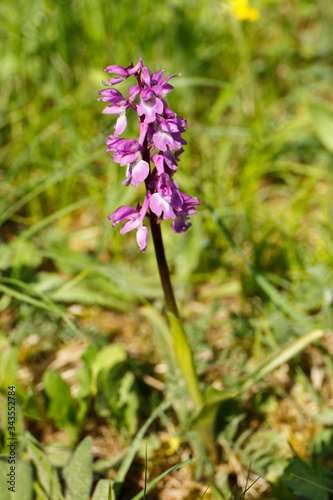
(134, 221)
(119, 106)
(122, 73)
(181, 224)
(168, 159)
(167, 133)
(129, 152)
(167, 197)
(149, 105)
(160, 142)
(160, 85)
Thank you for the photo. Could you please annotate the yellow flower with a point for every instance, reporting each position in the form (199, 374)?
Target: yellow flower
(242, 11)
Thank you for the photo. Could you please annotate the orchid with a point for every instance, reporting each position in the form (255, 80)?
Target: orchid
(134, 221)
(153, 158)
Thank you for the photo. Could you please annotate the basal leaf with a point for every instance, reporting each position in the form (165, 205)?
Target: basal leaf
(78, 473)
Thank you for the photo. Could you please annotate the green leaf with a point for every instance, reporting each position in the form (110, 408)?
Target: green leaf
(282, 355)
(84, 373)
(25, 255)
(78, 473)
(6, 254)
(24, 484)
(214, 398)
(106, 359)
(103, 490)
(306, 480)
(61, 408)
(117, 397)
(322, 118)
(163, 338)
(185, 360)
(46, 475)
(8, 365)
(5, 494)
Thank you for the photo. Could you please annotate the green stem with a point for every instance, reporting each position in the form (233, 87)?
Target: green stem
(163, 267)
(181, 345)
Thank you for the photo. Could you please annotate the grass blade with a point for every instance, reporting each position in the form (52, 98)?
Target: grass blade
(42, 186)
(146, 467)
(204, 493)
(126, 463)
(283, 355)
(161, 476)
(44, 302)
(277, 298)
(56, 215)
(320, 486)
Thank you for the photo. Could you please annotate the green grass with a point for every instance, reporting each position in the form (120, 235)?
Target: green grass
(253, 276)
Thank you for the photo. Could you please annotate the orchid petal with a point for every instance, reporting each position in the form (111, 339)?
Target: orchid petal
(142, 237)
(140, 172)
(121, 124)
(159, 205)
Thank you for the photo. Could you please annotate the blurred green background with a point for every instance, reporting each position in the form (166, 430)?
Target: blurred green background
(254, 271)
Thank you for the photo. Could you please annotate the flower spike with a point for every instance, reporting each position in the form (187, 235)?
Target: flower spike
(160, 143)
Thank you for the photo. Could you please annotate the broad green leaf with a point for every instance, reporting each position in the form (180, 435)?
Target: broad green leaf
(129, 398)
(103, 490)
(5, 494)
(58, 453)
(117, 397)
(46, 475)
(84, 373)
(213, 399)
(162, 334)
(24, 473)
(6, 254)
(105, 359)
(24, 483)
(307, 481)
(185, 360)
(24, 254)
(78, 473)
(8, 366)
(61, 408)
(89, 355)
